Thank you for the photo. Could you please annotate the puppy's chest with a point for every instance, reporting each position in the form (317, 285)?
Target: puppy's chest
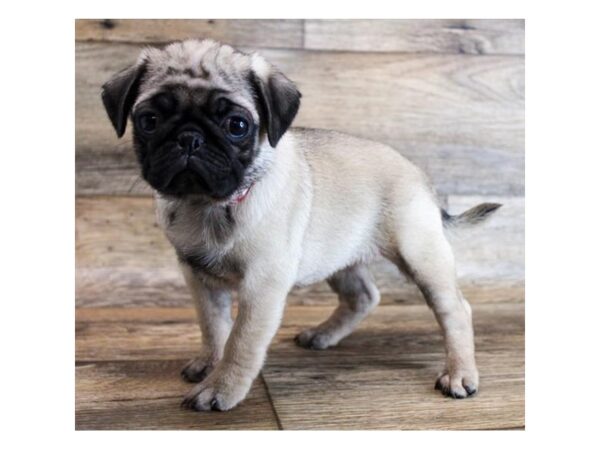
(203, 240)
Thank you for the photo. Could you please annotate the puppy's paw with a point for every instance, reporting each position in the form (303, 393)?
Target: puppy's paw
(218, 392)
(459, 384)
(314, 339)
(197, 369)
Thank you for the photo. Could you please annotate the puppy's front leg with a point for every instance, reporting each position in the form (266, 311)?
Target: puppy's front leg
(261, 305)
(213, 308)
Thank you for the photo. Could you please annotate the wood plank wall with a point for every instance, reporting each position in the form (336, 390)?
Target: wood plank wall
(448, 94)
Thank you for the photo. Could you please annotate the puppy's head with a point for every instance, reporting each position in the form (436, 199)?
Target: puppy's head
(202, 113)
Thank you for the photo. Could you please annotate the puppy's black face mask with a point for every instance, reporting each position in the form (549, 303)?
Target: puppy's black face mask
(198, 140)
(194, 142)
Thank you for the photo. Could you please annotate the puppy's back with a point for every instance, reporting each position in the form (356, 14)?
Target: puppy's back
(354, 182)
(351, 164)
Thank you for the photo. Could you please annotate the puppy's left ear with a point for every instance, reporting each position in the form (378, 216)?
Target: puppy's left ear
(279, 101)
(119, 94)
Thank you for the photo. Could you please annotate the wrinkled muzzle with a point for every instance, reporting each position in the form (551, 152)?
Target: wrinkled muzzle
(215, 172)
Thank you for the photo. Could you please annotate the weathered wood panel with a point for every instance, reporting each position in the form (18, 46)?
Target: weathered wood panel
(124, 259)
(132, 334)
(496, 250)
(382, 376)
(253, 33)
(127, 373)
(459, 117)
(473, 36)
(145, 395)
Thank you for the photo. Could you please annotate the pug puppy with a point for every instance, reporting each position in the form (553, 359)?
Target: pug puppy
(250, 204)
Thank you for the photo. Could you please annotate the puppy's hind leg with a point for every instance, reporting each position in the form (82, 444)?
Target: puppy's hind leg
(426, 256)
(357, 295)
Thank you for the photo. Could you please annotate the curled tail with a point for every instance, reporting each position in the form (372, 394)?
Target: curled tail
(472, 216)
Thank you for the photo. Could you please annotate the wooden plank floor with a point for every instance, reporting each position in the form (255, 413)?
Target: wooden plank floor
(127, 373)
(381, 377)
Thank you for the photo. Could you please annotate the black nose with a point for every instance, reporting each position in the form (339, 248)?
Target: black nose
(190, 140)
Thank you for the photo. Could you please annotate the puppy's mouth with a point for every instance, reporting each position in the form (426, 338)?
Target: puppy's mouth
(210, 173)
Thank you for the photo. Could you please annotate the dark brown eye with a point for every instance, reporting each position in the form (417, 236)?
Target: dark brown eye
(237, 127)
(148, 122)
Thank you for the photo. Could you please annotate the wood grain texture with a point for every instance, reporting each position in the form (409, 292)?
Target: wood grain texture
(131, 334)
(145, 395)
(458, 117)
(455, 36)
(127, 373)
(254, 33)
(381, 377)
(473, 36)
(124, 259)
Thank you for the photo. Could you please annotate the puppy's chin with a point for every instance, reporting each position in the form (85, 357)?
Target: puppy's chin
(175, 173)
(188, 181)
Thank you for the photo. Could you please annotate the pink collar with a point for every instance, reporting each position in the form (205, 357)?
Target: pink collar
(242, 195)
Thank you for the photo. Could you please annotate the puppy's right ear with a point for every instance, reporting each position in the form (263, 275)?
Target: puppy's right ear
(119, 94)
